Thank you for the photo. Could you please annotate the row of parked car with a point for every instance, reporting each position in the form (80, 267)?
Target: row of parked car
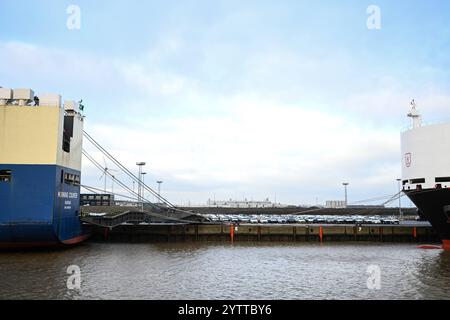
(301, 219)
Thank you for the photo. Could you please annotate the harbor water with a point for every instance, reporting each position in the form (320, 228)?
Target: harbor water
(224, 271)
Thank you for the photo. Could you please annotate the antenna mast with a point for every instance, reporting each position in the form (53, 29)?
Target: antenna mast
(415, 115)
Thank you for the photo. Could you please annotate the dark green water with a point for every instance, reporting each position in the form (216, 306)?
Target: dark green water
(223, 271)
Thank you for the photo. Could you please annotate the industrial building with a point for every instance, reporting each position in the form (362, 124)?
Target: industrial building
(335, 204)
(89, 199)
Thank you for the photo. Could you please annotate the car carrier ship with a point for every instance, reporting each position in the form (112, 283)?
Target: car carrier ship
(40, 166)
(426, 171)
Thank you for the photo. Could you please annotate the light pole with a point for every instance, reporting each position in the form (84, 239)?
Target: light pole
(140, 165)
(143, 182)
(159, 188)
(143, 191)
(400, 213)
(112, 185)
(105, 172)
(345, 184)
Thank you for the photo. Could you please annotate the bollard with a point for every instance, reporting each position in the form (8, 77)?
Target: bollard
(232, 233)
(446, 245)
(321, 234)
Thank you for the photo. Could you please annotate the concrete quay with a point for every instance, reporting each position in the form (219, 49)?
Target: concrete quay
(414, 232)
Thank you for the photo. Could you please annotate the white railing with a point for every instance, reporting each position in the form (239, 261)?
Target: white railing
(427, 123)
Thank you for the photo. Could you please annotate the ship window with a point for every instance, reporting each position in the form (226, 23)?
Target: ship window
(405, 182)
(67, 133)
(5, 175)
(71, 178)
(414, 181)
(442, 179)
(66, 142)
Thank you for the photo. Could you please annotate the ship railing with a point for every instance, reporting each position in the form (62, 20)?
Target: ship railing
(134, 217)
(426, 123)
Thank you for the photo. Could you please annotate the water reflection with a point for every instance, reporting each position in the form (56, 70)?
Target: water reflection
(433, 274)
(223, 271)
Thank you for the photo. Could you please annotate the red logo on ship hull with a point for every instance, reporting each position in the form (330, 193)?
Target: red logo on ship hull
(408, 160)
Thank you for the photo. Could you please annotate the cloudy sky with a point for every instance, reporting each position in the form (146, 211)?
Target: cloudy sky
(234, 99)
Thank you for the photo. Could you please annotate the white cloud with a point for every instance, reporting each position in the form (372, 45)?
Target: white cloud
(248, 141)
(389, 102)
(256, 147)
(32, 63)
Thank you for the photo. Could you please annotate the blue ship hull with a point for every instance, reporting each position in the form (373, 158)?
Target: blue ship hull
(38, 207)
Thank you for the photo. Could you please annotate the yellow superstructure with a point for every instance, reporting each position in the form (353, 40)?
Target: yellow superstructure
(30, 135)
(33, 133)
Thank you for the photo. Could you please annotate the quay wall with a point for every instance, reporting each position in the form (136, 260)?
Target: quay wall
(267, 232)
(363, 211)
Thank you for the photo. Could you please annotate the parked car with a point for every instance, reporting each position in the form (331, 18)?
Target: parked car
(234, 219)
(300, 219)
(330, 219)
(273, 219)
(263, 220)
(224, 218)
(291, 219)
(282, 219)
(321, 220)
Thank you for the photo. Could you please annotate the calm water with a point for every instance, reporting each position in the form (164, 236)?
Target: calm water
(223, 271)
